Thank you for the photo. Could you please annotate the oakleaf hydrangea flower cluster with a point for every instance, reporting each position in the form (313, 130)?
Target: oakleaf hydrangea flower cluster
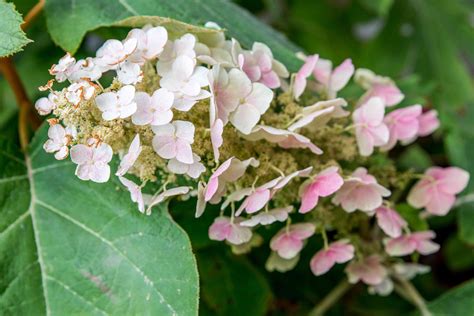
(201, 116)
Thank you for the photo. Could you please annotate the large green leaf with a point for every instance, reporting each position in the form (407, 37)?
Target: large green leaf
(458, 301)
(70, 247)
(69, 20)
(12, 38)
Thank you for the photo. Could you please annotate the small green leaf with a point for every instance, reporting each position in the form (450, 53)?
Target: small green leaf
(68, 21)
(12, 38)
(70, 247)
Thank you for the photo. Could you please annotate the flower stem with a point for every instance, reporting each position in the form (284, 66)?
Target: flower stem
(331, 298)
(9, 72)
(32, 14)
(414, 296)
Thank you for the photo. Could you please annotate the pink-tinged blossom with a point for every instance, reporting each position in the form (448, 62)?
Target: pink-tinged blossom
(183, 46)
(45, 106)
(120, 104)
(268, 217)
(333, 80)
(59, 140)
(258, 197)
(403, 125)
(317, 115)
(130, 157)
(113, 52)
(174, 140)
(150, 43)
(193, 170)
(324, 184)
(79, 91)
(407, 244)
(237, 99)
(225, 228)
(390, 221)
(129, 73)
(167, 193)
(92, 161)
(277, 263)
(360, 192)
(155, 109)
(370, 128)
(388, 92)
(217, 128)
(283, 138)
(437, 190)
(286, 179)
(289, 241)
(260, 66)
(337, 252)
(305, 71)
(428, 123)
(186, 81)
(63, 69)
(378, 86)
(135, 192)
(229, 171)
(369, 270)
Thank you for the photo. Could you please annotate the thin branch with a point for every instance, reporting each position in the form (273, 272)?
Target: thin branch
(24, 104)
(11, 75)
(410, 292)
(331, 298)
(32, 14)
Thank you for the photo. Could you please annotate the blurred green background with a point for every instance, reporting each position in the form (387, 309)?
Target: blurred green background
(427, 46)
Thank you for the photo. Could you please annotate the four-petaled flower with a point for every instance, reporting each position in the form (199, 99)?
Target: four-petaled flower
(229, 229)
(289, 241)
(407, 244)
(360, 192)
(155, 109)
(174, 140)
(92, 161)
(59, 140)
(403, 125)
(337, 252)
(120, 104)
(437, 190)
(368, 270)
(324, 184)
(259, 66)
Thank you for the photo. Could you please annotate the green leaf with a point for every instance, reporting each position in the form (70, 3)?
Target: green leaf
(68, 20)
(458, 301)
(70, 247)
(230, 285)
(12, 38)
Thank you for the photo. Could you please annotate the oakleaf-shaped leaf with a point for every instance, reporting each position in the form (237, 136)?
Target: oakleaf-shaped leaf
(69, 247)
(12, 38)
(68, 21)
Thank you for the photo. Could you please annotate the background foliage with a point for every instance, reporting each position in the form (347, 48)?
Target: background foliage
(427, 46)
